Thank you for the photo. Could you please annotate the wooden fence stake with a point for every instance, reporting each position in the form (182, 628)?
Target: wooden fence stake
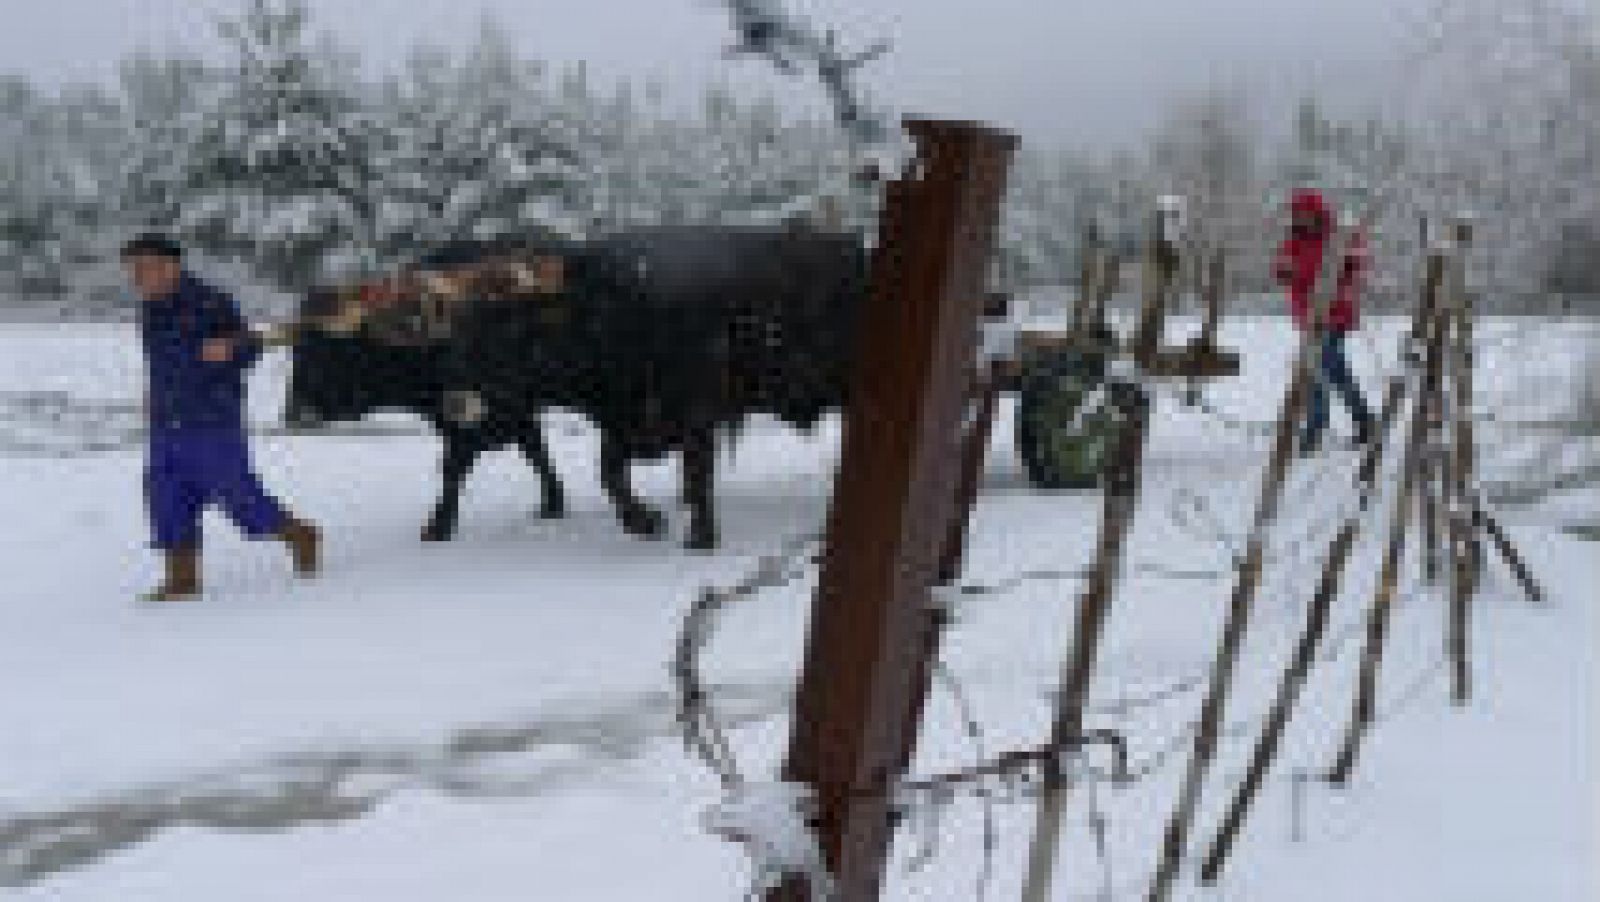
(1412, 475)
(1162, 263)
(874, 628)
(1429, 506)
(1208, 731)
(1215, 288)
(1116, 522)
(1119, 502)
(1316, 626)
(1086, 313)
(1508, 552)
(1465, 550)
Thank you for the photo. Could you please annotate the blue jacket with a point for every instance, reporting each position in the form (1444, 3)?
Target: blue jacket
(186, 392)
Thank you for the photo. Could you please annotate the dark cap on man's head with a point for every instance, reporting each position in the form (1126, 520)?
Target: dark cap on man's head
(152, 244)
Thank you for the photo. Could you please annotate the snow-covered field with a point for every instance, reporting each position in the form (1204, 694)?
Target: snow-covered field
(493, 719)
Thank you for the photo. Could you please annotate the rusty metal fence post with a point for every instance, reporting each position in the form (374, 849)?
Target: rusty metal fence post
(874, 628)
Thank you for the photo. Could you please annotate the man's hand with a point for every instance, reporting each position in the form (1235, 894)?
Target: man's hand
(217, 350)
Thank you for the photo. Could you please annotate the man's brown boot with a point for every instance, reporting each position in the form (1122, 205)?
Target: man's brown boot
(182, 581)
(305, 545)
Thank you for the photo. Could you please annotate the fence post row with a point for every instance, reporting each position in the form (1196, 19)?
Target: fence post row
(1318, 616)
(1208, 730)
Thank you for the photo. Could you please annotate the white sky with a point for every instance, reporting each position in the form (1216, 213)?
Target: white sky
(1057, 71)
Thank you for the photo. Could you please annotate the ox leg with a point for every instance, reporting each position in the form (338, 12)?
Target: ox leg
(699, 488)
(537, 454)
(637, 517)
(461, 450)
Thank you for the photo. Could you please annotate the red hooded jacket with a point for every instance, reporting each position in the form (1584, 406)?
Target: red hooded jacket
(1299, 264)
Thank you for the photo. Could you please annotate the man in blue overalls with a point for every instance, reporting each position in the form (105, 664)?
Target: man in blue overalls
(197, 350)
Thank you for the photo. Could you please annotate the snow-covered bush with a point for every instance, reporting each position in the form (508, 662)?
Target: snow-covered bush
(472, 146)
(58, 184)
(271, 159)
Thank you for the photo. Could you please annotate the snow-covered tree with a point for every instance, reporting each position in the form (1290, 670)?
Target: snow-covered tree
(59, 158)
(472, 147)
(1505, 123)
(1206, 150)
(733, 162)
(1053, 200)
(269, 159)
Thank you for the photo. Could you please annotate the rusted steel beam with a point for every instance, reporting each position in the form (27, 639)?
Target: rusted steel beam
(874, 629)
(1378, 614)
(1318, 615)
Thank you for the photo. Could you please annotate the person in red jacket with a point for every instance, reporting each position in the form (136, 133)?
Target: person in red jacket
(1299, 267)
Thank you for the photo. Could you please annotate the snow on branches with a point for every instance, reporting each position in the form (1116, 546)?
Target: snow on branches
(1503, 116)
(767, 30)
(271, 162)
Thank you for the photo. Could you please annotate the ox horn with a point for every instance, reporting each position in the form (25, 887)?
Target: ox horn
(279, 335)
(525, 276)
(348, 319)
(544, 276)
(441, 284)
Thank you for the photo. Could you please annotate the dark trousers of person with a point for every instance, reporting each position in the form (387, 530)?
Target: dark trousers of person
(1334, 373)
(190, 469)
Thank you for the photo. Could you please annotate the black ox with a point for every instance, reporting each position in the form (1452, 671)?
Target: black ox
(662, 338)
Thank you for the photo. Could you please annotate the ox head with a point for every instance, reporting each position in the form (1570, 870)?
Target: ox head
(392, 344)
(356, 351)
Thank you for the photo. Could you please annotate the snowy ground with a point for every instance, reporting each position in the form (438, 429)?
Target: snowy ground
(492, 719)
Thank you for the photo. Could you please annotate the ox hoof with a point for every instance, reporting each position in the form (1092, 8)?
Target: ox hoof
(647, 524)
(437, 534)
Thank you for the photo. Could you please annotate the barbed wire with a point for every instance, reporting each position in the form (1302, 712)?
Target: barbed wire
(1020, 775)
(703, 734)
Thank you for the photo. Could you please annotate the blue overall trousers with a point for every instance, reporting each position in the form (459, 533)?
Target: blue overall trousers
(199, 453)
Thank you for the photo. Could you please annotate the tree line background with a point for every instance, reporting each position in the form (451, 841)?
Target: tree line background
(286, 160)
